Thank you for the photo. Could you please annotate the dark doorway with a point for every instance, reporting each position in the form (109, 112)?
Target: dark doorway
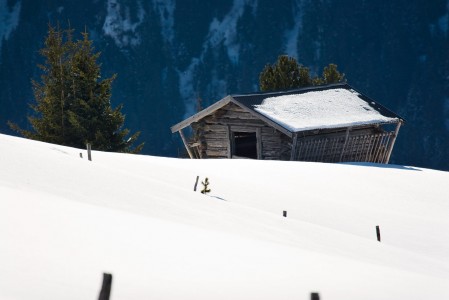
(245, 144)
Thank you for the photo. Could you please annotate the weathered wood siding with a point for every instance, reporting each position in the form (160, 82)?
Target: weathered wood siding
(366, 145)
(213, 134)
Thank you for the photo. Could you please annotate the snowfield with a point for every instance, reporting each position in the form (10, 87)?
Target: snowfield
(65, 220)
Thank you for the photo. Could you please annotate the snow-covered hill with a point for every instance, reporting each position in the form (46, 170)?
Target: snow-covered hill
(65, 220)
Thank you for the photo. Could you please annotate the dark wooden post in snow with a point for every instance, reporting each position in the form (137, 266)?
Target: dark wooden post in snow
(196, 183)
(314, 296)
(378, 233)
(89, 151)
(106, 287)
(284, 213)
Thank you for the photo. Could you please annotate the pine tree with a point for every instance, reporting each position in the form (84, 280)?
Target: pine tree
(72, 102)
(286, 73)
(332, 75)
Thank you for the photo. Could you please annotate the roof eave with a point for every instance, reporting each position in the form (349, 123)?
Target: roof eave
(395, 121)
(207, 111)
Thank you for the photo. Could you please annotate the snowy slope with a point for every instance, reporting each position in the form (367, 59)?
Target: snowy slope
(65, 220)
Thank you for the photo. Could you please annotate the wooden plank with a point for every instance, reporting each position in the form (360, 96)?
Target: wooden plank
(271, 138)
(293, 154)
(308, 148)
(201, 114)
(379, 146)
(344, 145)
(228, 114)
(185, 143)
(222, 114)
(270, 153)
(233, 108)
(374, 148)
(240, 122)
(212, 135)
(265, 119)
(393, 141)
(229, 142)
(217, 144)
(215, 128)
(387, 143)
(319, 150)
(242, 128)
(217, 153)
(364, 148)
(370, 148)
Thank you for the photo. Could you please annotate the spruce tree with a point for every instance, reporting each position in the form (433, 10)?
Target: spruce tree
(332, 75)
(286, 73)
(72, 101)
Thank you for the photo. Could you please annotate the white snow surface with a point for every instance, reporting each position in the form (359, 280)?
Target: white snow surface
(331, 108)
(64, 220)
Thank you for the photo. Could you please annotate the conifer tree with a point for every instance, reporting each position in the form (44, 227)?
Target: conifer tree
(332, 75)
(72, 102)
(286, 73)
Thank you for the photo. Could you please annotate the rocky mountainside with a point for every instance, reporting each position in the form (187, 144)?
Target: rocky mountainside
(168, 54)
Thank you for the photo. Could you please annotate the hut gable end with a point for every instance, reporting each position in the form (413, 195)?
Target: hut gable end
(232, 130)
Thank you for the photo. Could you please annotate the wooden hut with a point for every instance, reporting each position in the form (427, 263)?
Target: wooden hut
(332, 123)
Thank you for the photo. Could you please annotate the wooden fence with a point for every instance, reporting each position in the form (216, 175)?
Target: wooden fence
(362, 148)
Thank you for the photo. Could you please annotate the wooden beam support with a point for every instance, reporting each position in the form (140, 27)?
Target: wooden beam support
(344, 145)
(185, 143)
(390, 150)
(294, 146)
(229, 141)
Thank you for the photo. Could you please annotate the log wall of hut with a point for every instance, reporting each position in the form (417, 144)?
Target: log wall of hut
(214, 134)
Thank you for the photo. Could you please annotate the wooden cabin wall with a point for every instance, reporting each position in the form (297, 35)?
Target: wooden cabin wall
(212, 133)
(363, 144)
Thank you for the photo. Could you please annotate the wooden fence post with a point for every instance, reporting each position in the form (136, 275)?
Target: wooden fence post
(105, 287)
(284, 213)
(378, 233)
(196, 183)
(314, 296)
(89, 151)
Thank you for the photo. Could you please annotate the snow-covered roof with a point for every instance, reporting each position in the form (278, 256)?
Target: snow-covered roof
(333, 108)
